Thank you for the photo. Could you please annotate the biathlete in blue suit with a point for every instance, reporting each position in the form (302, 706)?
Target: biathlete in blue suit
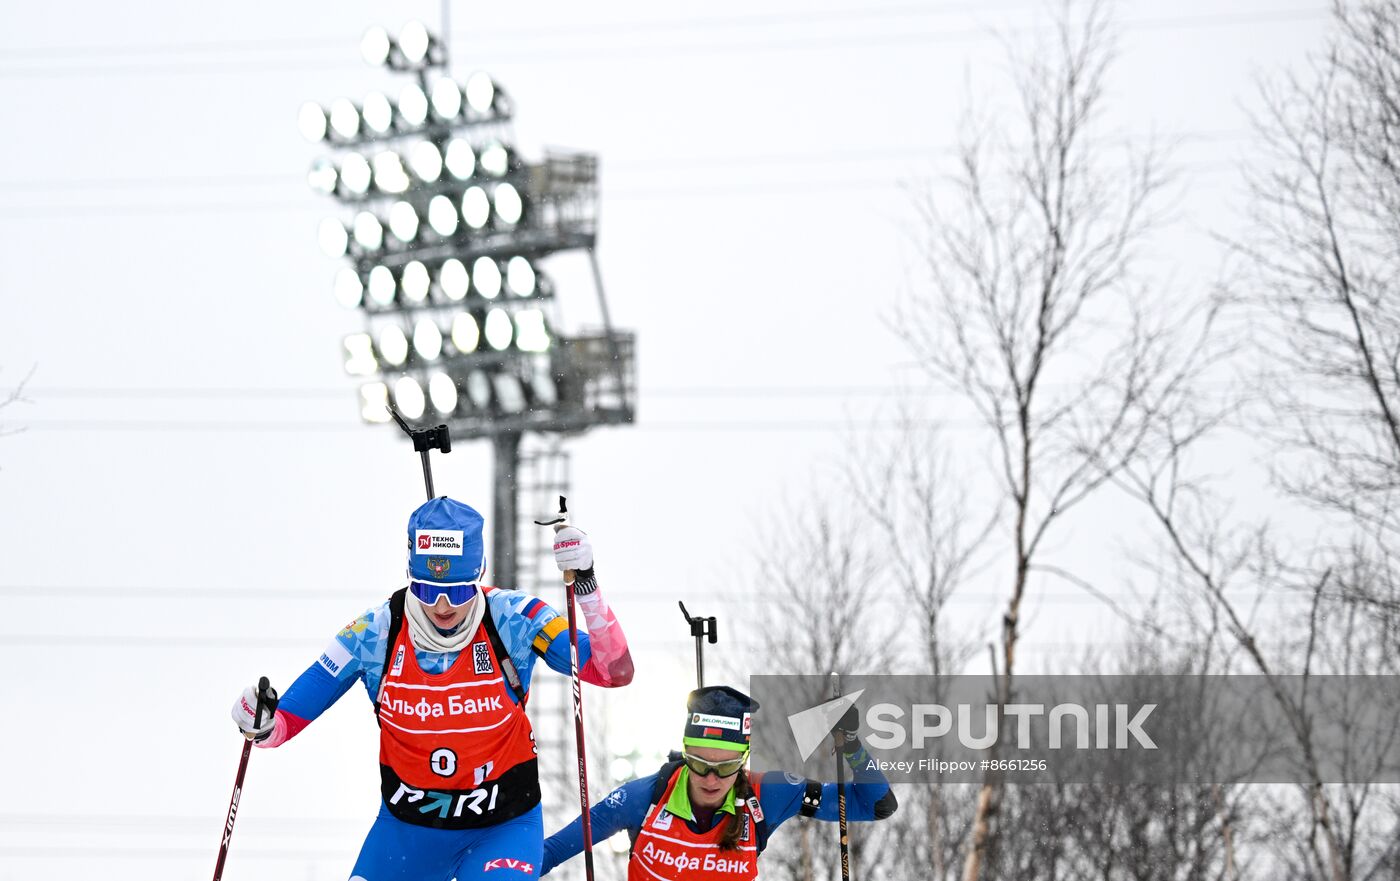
(703, 816)
(447, 665)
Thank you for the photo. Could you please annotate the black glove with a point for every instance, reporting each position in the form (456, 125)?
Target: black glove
(847, 730)
(584, 582)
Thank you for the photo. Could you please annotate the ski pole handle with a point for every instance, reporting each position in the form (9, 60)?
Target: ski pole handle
(559, 522)
(267, 700)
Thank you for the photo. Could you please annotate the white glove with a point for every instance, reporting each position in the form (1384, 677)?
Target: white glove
(572, 549)
(244, 709)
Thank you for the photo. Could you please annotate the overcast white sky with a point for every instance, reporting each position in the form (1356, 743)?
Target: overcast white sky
(194, 501)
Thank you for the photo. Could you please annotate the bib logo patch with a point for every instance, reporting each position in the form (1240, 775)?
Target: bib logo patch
(398, 662)
(481, 658)
(663, 820)
(755, 809)
(439, 541)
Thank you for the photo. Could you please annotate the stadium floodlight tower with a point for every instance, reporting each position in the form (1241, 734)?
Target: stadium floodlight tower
(445, 226)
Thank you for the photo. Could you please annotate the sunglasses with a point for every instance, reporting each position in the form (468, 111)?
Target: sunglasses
(457, 594)
(702, 768)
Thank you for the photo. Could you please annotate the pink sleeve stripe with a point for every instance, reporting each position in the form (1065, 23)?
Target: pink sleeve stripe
(284, 729)
(610, 662)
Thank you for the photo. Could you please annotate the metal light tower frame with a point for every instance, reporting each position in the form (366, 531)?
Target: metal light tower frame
(451, 282)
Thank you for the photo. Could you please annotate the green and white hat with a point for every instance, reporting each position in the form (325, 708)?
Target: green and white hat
(719, 718)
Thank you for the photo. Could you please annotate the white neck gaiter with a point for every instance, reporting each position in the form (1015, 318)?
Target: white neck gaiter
(427, 637)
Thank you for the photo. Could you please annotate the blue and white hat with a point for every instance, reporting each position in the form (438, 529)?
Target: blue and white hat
(445, 547)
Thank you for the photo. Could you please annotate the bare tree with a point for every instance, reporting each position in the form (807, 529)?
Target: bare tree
(1326, 258)
(817, 608)
(1035, 313)
(903, 485)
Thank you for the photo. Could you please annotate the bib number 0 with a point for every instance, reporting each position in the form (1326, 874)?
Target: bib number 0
(443, 761)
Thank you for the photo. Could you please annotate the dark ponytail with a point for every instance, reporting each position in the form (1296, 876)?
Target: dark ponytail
(729, 840)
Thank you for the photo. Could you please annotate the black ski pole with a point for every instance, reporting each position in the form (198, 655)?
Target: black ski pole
(424, 440)
(841, 791)
(701, 628)
(559, 522)
(267, 700)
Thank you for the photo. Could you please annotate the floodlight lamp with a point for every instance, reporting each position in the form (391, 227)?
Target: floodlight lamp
(374, 402)
(442, 391)
(345, 119)
(393, 345)
(479, 389)
(403, 222)
(413, 106)
(408, 395)
(375, 46)
(389, 174)
(378, 115)
(442, 216)
(311, 120)
(460, 159)
(465, 334)
(509, 393)
(495, 160)
(476, 208)
(520, 276)
(414, 42)
(487, 277)
(355, 174)
(508, 204)
(349, 289)
(427, 339)
(369, 232)
(381, 286)
(415, 282)
(322, 177)
(426, 161)
(447, 99)
(498, 329)
(333, 238)
(453, 279)
(543, 388)
(359, 355)
(481, 92)
(530, 333)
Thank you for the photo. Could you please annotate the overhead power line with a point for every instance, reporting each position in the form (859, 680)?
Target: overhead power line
(663, 49)
(636, 165)
(819, 188)
(338, 44)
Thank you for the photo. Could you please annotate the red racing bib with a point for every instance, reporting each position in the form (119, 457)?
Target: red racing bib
(455, 752)
(666, 849)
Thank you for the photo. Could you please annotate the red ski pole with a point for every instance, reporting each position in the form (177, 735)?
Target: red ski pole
(267, 699)
(559, 523)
